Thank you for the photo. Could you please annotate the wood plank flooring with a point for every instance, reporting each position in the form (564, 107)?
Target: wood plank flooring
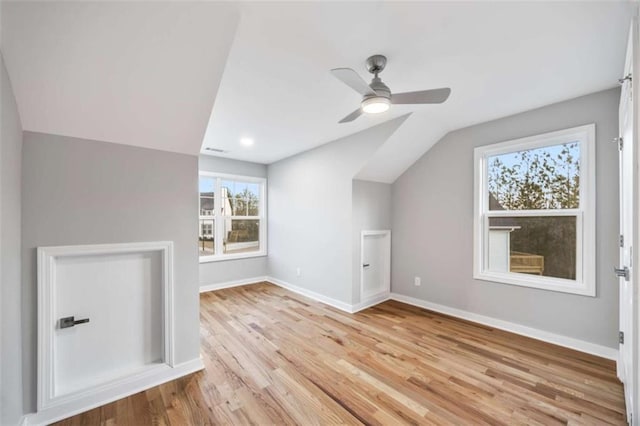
(273, 357)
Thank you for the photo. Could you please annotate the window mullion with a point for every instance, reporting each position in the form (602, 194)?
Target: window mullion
(528, 213)
(218, 202)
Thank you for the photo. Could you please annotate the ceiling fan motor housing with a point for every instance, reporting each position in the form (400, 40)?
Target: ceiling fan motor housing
(380, 88)
(376, 63)
(378, 102)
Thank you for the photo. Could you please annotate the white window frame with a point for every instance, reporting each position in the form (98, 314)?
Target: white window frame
(219, 218)
(585, 282)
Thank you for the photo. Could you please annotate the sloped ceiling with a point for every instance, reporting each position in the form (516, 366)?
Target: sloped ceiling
(499, 58)
(137, 73)
(170, 75)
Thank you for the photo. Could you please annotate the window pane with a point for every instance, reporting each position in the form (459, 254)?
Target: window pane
(241, 198)
(207, 186)
(251, 196)
(543, 246)
(253, 207)
(241, 236)
(240, 206)
(206, 206)
(253, 189)
(541, 178)
(206, 240)
(227, 190)
(227, 187)
(227, 206)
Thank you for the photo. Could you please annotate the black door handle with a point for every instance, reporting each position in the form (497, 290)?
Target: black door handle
(67, 322)
(365, 265)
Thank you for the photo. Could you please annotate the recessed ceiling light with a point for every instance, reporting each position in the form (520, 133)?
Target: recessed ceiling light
(246, 141)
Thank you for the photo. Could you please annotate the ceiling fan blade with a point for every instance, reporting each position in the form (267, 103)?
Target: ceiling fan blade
(433, 96)
(353, 80)
(355, 114)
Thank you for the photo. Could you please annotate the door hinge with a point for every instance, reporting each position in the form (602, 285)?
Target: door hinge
(621, 240)
(626, 78)
(622, 273)
(621, 337)
(623, 80)
(619, 141)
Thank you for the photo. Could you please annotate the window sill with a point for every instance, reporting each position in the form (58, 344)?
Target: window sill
(541, 283)
(225, 257)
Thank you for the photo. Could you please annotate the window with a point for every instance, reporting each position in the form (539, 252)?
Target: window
(232, 217)
(534, 219)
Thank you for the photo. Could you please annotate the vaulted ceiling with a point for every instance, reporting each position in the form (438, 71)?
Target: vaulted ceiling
(182, 76)
(136, 73)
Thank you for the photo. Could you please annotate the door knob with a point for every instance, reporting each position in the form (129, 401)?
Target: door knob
(622, 272)
(67, 322)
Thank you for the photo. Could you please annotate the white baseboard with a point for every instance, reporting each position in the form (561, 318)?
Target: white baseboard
(229, 284)
(619, 367)
(162, 373)
(299, 290)
(312, 295)
(370, 302)
(546, 336)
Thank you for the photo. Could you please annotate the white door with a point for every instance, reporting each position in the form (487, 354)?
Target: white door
(103, 318)
(120, 297)
(627, 366)
(376, 264)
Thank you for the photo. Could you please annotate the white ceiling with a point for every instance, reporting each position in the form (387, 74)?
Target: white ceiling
(499, 58)
(143, 74)
(147, 73)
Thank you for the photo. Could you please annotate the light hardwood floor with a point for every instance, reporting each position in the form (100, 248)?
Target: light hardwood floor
(273, 357)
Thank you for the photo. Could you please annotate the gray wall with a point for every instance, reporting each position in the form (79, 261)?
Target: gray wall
(310, 212)
(10, 264)
(208, 163)
(371, 203)
(237, 269)
(84, 192)
(433, 226)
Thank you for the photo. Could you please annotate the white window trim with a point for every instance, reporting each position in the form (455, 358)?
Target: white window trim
(219, 230)
(585, 283)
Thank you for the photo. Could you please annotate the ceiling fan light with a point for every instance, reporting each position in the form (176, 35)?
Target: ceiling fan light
(375, 104)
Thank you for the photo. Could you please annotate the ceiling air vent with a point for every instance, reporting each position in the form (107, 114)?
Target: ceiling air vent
(219, 151)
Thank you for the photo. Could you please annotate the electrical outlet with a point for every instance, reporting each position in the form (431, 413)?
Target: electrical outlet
(417, 281)
(298, 272)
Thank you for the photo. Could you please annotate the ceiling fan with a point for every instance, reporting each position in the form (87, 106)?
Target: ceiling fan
(376, 96)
